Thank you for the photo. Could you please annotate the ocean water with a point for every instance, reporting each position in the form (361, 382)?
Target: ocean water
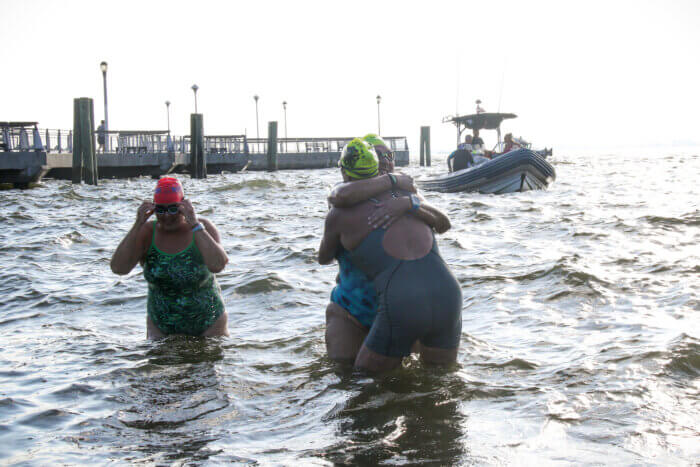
(580, 342)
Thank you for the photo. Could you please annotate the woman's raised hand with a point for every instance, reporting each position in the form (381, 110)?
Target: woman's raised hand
(187, 210)
(386, 212)
(144, 212)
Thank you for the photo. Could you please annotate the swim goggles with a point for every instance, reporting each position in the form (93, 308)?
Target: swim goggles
(171, 209)
(389, 155)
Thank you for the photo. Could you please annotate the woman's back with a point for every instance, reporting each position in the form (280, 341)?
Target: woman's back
(418, 298)
(407, 238)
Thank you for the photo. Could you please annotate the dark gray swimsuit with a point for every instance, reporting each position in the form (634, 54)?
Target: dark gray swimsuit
(417, 299)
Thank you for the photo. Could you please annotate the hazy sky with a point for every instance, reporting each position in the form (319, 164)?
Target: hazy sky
(607, 72)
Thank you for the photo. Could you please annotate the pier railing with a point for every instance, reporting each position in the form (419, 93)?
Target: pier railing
(310, 145)
(15, 138)
(57, 140)
(20, 136)
(140, 142)
(31, 138)
(219, 144)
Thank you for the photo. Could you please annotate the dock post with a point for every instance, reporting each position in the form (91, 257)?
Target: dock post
(198, 163)
(271, 146)
(422, 146)
(77, 168)
(425, 146)
(91, 155)
(47, 138)
(84, 160)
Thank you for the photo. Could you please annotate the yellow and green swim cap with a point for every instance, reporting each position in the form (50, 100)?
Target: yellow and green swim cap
(374, 139)
(359, 160)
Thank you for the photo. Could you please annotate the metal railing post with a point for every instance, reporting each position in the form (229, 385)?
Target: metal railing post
(7, 138)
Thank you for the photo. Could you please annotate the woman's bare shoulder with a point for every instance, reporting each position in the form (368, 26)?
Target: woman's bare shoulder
(146, 230)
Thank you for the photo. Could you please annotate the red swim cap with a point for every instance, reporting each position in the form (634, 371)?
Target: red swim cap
(168, 191)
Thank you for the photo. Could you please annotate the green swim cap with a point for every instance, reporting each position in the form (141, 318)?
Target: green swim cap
(374, 140)
(359, 160)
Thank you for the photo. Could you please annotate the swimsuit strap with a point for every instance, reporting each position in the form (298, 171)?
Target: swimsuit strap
(153, 235)
(369, 256)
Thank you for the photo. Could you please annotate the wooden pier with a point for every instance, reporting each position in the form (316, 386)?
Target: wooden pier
(26, 158)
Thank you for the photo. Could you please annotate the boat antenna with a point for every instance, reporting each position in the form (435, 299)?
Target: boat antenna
(457, 85)
(503, 78)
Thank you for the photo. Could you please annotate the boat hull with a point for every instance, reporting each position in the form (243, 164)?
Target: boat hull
(519, 170)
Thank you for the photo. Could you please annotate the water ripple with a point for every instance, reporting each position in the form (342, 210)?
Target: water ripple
(579, 342)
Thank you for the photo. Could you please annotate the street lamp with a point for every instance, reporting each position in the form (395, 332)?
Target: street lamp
(103, 67)
(284, 106)
(194, 88)
(257, 127)
(168, 140)
(379, 122)
(167, 105)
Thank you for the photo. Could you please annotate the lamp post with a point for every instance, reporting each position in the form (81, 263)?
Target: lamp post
(284, 106)
(103, 67)
(257, 127)
(167, 105)
(194, 88)
(168, 140)
(379, 121)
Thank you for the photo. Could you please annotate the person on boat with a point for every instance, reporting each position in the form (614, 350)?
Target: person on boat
(479, 153)
(509, 143)
(462, 157)
(353, 305)
(477, 142)
(179, 253)
(459, 160)
(418, 297)
(467, 144)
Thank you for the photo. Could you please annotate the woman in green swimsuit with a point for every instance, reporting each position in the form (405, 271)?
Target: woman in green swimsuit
(179, 253)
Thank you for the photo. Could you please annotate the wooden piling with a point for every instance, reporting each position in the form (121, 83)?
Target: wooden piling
(84, 158)
(422, 146)
(89, 154)
(77, 169)
(425, 146)
(271, 146)
(198, 167)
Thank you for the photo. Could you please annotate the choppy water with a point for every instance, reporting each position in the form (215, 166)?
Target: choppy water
(580, 344)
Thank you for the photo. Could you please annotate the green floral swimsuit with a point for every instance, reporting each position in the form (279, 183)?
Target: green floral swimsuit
(183, 295)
